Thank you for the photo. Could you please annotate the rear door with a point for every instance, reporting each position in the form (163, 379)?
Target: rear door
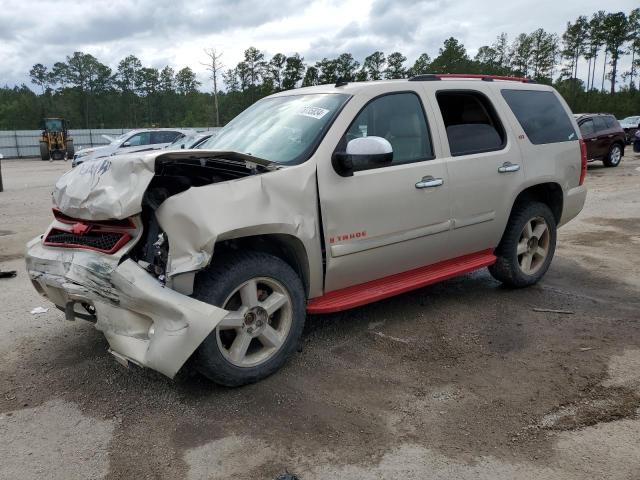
(390, 218)
(483, 162)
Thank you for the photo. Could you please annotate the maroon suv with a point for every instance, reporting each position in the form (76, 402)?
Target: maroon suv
(604, 137)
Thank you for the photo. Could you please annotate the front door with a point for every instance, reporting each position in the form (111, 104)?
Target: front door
(391, 218)
(590, 137)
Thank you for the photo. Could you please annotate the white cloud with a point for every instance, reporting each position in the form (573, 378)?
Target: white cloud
(163, 32)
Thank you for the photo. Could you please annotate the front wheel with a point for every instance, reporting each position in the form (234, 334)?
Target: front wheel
(266, 303)
(527, 246)
(614, 156)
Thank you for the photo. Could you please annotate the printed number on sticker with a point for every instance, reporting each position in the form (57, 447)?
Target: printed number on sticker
(313, 112)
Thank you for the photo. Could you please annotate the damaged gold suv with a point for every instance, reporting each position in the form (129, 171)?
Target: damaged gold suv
(314, 200)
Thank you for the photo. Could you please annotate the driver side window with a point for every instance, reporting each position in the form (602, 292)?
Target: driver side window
(143, 138)
(398, 118)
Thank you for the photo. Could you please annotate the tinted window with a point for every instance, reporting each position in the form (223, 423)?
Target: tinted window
(540, 115)
(143, 138)
(471, 122)
(599, 124)
(586, 127)
(400, 119)
(165, 137)
(610, 121)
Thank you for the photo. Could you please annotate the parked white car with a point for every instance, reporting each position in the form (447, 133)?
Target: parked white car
(130, 142)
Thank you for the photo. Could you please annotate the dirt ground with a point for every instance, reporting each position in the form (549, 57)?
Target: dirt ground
(459, 380)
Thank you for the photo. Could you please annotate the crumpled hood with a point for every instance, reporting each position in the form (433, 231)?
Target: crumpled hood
(113, 187)
(109, 188)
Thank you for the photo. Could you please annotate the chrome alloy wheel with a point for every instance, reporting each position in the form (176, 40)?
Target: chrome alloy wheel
(259, 319)
(616, 155)
(533, 245)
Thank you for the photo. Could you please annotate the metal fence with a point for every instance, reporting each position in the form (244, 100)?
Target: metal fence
(26, 143)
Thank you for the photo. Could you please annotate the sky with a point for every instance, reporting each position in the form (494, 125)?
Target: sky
(170, 32)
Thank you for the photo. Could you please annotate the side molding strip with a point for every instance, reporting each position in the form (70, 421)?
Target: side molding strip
(386, 287)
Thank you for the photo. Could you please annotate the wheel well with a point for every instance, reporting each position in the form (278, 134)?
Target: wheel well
(287, 247)
(547, 193)
(621, 143)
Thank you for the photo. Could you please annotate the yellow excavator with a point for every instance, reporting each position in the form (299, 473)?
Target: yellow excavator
(55, 142)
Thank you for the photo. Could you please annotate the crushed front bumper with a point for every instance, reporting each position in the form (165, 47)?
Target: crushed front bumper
(144, 322)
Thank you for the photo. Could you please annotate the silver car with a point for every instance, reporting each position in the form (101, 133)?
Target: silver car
(139, 140)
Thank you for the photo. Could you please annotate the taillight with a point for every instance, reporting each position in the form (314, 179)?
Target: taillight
(583, 161)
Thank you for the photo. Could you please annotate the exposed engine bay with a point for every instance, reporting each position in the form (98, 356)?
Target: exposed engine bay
(174, 176)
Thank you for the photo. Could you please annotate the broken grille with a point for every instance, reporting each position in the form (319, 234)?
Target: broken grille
(102, 241)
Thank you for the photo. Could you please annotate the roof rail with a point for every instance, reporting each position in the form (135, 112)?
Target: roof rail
(486, 78)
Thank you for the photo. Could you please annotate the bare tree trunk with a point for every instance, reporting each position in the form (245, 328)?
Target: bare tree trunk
(593, 72)
(604, 70)
(214, 66)
(633, 68)
(614, 72)
(588, 74)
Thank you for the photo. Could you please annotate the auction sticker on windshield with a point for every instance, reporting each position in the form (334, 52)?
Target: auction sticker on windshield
(313, 112)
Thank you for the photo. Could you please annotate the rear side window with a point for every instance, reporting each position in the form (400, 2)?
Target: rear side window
(540, 115)
(471, 122)
(610, 121)
(599, 124)
(586, 127)
(164, 136)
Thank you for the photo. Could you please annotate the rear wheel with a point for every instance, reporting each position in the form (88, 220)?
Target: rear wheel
(70, 149)
(44, 150)
(527, 246)
(614, 156)
(266, 303)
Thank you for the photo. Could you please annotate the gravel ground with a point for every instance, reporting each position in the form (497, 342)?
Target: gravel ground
(459, 380)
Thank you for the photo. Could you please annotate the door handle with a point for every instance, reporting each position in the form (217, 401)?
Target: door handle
(610, 136)
(508, 167)
(594, 139)
(429, 182)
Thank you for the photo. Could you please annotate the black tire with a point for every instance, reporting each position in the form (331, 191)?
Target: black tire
(70, 149)
(507, 268)
(44, 150)
(217, 283)
(614, 156)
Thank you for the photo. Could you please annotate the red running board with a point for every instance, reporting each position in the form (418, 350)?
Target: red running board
(386, 287)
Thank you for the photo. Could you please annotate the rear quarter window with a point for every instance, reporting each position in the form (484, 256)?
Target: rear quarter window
(540, 115)
(611, 122)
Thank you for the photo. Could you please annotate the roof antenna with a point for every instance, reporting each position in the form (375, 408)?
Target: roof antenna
(341, 82)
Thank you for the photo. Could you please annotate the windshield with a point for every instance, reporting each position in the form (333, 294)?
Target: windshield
(280, 129)
(119, 138)
(53, 124)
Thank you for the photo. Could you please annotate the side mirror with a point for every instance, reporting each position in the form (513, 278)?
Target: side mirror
(125, 144)
(363, 154)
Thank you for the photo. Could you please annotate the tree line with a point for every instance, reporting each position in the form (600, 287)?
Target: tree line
(92, 95)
